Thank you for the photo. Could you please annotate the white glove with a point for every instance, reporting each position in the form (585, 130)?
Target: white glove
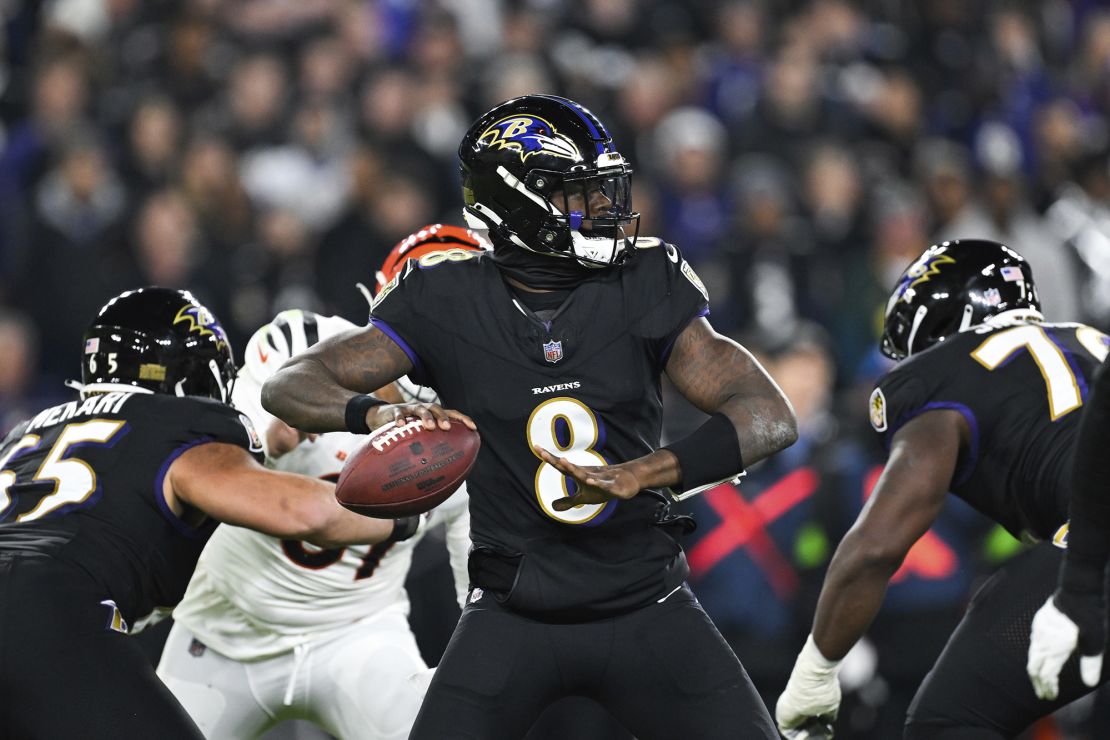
(813, 692)
(1053, 639)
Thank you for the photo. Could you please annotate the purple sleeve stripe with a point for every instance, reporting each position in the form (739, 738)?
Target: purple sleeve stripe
(666, 353)
(417, 375)
(159, 481)
(973, 426)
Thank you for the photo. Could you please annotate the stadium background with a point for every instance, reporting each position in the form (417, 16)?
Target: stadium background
(266, 154)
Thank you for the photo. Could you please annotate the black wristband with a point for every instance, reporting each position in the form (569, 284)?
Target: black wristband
(709, 454)
(355, 414)
(404, 528)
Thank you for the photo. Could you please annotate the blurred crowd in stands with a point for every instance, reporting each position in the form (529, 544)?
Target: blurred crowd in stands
(266, 154)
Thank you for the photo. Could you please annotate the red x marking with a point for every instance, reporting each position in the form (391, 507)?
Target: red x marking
(745, 523)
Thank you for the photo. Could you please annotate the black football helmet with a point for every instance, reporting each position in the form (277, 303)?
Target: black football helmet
(159, 339)
(953, 286)
(541, 172)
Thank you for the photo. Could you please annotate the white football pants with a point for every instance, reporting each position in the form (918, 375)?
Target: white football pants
(362, 683)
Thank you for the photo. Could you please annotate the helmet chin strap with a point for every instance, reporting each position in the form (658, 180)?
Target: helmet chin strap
(479, 216)
(476, 216)
(917, 319)
(224, 391)
(965, 320)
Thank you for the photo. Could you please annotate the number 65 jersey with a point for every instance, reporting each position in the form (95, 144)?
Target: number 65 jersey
(81, 489)
(1021, 389)
(584, 383)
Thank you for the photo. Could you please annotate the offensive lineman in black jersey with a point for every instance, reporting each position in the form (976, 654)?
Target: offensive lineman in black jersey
(985, 402)
(555, 344)
(105, 505)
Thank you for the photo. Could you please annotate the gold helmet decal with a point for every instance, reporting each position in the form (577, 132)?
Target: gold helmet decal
(529, 135)
(919, 272)
(201, 320)
(927, 268)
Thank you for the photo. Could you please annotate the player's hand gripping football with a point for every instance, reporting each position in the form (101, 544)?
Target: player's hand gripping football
(431, 414)
(1066, 622)
(811, 699)
(596, 483)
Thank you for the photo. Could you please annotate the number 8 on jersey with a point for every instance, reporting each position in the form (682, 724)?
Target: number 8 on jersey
(567, 428)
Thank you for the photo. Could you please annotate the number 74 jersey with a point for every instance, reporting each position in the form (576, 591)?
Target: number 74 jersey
(1021, 389)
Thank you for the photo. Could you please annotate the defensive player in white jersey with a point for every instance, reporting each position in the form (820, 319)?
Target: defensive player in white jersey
(271, 630)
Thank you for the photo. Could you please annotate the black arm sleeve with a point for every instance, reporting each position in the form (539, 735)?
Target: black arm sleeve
(1089, 506)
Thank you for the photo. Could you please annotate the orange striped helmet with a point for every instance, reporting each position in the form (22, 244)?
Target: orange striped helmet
(431, 238)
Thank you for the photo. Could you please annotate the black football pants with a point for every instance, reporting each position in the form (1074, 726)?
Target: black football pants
(663, 671)
(978, 689)
(64, 673)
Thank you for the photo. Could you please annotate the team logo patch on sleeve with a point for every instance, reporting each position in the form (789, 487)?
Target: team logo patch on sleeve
(252, 433)
(877, 407)
(694, 279)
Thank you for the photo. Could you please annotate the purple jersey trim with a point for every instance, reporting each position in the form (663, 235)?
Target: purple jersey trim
(666, 353)
(973, 425)
(418, 375)
(159, 480)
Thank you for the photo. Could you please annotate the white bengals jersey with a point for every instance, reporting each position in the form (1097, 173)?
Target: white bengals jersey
(254, 596)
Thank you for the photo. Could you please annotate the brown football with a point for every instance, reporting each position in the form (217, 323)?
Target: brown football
(404, 470)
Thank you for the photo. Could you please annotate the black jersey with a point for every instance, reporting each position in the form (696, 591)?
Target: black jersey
(584, 384)
(81, 483)
(1020, 389)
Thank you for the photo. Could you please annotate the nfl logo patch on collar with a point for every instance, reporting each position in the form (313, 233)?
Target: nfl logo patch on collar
(553, 351)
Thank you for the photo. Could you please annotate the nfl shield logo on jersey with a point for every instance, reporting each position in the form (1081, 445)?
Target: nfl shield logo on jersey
(553, 351)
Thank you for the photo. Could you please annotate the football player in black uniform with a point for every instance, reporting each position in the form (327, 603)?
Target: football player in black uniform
(555, 343)
(985, 403)
(1073, 619)
(105, 505)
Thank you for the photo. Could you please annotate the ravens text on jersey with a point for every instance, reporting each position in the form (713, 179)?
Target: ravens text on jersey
(598, 403)
(581, 379)
(554, 345)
